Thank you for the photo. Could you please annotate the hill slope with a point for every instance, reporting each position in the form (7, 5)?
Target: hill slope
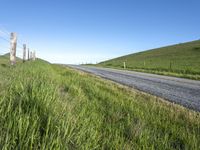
(182, 58)
(5, 59)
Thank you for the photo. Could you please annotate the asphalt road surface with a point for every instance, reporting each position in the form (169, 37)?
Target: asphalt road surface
(181, 91)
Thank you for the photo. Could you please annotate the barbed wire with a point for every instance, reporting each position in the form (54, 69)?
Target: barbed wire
(4, 47)
(3, 53)
(5, 36)
(4, 29)
(4, 33)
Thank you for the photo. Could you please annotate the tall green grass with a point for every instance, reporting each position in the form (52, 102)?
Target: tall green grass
(46, 106)
(181, 60)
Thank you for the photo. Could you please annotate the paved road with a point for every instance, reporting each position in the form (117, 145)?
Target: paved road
(182, 91)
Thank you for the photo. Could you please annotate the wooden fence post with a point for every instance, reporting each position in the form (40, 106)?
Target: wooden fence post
(170, 65)
(124, 65)
(24, 53)
(34, 57)
(31, 55)
(13, 46)
(28, 54)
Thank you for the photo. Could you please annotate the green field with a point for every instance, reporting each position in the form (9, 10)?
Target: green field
(182, 60)
(45, 106)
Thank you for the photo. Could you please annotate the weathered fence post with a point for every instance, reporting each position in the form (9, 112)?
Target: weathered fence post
(13, 46)
(34, 57)
(170, 65)
(28, 54)
(31, 55)
(124, 65)
(24, 53)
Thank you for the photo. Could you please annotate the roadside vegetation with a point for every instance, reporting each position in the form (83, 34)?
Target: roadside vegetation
(181, 60)
(45, 106)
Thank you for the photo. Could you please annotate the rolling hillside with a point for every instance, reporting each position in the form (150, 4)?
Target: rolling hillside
(5, 60)
(45, 106)
(179, 60)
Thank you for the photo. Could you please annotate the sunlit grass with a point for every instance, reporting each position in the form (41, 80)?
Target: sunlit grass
(46, 106)
(181, 60)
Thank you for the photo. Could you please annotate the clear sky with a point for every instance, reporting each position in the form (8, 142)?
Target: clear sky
(80, 31)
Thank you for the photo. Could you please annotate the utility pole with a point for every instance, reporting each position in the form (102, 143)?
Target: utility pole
(13, 46)
(24, 53)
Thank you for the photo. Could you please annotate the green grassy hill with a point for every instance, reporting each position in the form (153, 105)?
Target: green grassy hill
(45, 106)
(179, 60)
(5, 60)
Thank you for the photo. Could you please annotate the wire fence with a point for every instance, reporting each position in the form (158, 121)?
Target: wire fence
(6, 44)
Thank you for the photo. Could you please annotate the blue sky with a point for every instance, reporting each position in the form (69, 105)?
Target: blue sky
(80, 31)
